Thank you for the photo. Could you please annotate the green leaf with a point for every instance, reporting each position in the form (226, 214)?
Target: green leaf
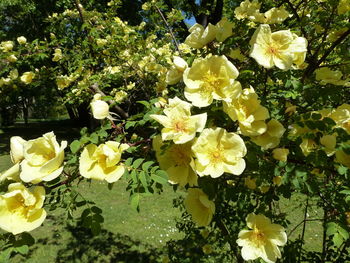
(137, 163)
(95, 228)
(22, 249)
(337, 240)
(94, 138)
(146, 165)
(75, 146)
(5, 255)
(96, 210)
(160, 177)
(143, 102)
(143, 179)
(135, 201)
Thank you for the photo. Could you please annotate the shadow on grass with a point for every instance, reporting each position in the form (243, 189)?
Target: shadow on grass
(106, 247)
(63, 129)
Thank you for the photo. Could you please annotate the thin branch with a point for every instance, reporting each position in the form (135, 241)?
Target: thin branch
(80, 10)
(169, 28)
(140, 142)
(304, 226)
(119, 110)
(299, 224)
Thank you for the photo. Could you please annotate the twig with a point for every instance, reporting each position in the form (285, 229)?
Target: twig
(304, 226)
(119, 110)
(140, 142)
(299, 224)
(169, 28)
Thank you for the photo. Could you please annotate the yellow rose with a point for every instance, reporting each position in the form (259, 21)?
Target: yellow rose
(6, 46)
(101, 42)
(248, 10)
(207, 249)
(27, 77)
(307, 146)
(341, 116)
(11, 174)
(218, 151)
(280, 154)
(262, 240)
(275, 15)
(199, 206)
(57, 55)
(236, 54)
(21, 209)
(100, 162)
(326, 75)
(223, 29)
(329, 142)
(280, 49)
(21, 40)
(100, 108)
(176, 160)
(178, 123)
(43, 159)
(17, 149)
(11, 58)
(246, 109)
(120, 96)
(174, 75)
(210, 78)
(277, 180)
(271, 137)
(199, 36)
(13, 74)
(342, 158)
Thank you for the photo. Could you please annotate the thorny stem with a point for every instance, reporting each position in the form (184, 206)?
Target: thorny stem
(140, 142)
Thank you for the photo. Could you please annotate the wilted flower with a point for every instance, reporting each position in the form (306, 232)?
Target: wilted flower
(326, 75)
(43, 159)
(21, 209)
(210, 78)
(218, 151)
(280, 49)
(262, 240)
(199, 206)
(176, 160)
(343, 7)
(178, 123)
(100, 162)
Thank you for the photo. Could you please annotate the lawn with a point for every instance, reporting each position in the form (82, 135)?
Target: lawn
(127, 236)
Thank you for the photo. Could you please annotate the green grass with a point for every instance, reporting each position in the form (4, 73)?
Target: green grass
(127, 236)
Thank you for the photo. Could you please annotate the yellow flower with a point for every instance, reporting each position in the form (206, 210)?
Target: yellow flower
(246, 109)
(210, 78)
(100, 162)
(11, 58)
(100, 108)
(248, 10)
(207, 249)
(57, 55)
(275, 15)
(27, 77)
(120, 96)
(21, 40)
(264, 188)
(101, 42)
(218, 151)
(6, 46)
(335, 34)
(280, 49)
(250, 182)
(280, 154)
(277, 180)
(176, 160)
(343, 7)
(21, 209)
(224, 29)
(342, 158)
(13, 74)
(307, 146)
(11, 174)
(199, 36)
(341, 116)
(43, 159)
(271, 138)
(329, 142)
(178, 123)
(199, 206)
(174, 75)
(17, 149)
(290, 108)
(262, 240)
(326, 75)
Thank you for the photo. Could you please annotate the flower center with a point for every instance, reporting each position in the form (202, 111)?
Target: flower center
(216, 156)
(259, 237)
(272, 50)
(179, 126)
(211, 82)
